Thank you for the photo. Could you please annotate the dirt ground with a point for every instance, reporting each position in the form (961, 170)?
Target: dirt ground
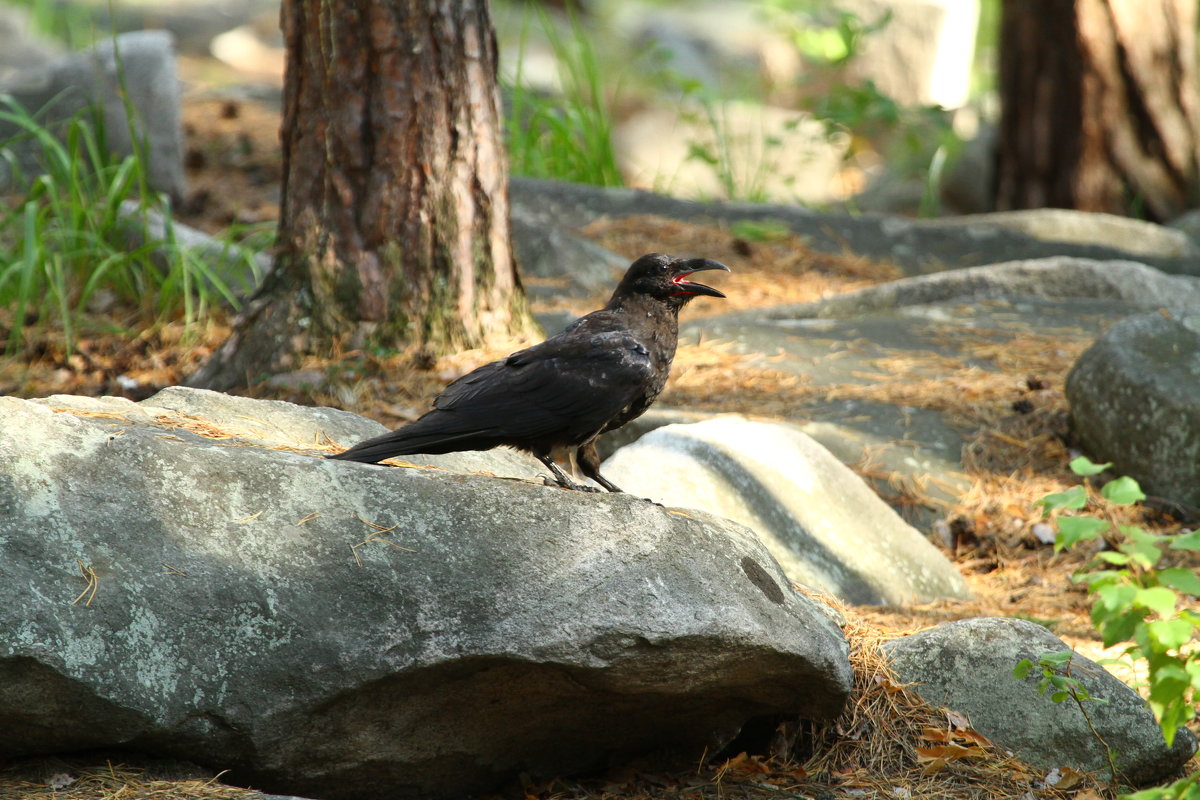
(234, 170)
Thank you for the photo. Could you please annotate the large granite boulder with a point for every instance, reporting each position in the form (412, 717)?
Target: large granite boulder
(825, 527)
(346, 630)
(967, 666)
(1134, 401)
(275, 423)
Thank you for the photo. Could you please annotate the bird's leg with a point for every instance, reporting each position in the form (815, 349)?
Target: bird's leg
(560, 477)
(589, 461)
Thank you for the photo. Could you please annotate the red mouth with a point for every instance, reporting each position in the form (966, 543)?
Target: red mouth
(686, 287)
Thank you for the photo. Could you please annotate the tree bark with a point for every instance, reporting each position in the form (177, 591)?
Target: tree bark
(1099, 106)
(394, 223)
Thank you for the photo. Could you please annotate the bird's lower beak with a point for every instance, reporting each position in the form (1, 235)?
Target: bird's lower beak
(697, 265)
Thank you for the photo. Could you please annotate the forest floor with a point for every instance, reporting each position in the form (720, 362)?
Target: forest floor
(888, 744)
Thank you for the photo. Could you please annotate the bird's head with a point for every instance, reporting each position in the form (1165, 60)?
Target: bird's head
(664, 278)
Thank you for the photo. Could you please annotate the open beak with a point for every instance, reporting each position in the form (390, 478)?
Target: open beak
(686, 268)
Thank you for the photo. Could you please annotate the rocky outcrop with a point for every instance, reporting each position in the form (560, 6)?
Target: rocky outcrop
(967, 666)
(825, 527)
(1134, 285)
(917, 246)
(1134, 402)
(352, 631)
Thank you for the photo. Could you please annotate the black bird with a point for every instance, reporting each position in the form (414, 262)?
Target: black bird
(604, 370)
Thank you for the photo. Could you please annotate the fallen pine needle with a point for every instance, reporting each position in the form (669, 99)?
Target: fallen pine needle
(93, 583)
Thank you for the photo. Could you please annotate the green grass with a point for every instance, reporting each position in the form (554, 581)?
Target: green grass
(64, 238)
(565, 138)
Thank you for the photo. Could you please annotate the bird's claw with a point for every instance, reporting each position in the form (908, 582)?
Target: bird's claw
(569, 485)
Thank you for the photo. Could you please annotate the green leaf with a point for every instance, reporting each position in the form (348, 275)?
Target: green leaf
(1059, 696)
(1157, 598)
(1072, 530)
(1056, 659)
(1144, 548)
(1114, 597)
(1170, 634)
(1022, 669)
(1188, 541)
(1123, 491)
(1109, 557)
(1117, 626)
(1185, 580)
(1168, 687)
(1168, 680)
(1074, 498)
(1082, 465)
(1183, 789)
(1098, 579)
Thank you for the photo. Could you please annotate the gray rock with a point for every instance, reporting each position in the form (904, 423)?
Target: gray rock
(1135, 285)
(275, 422)
(657, 417)
(1086, 228)
(1134, 402)
(1188, 223)
(909, 444)
(140, 64)
(239, 269)
(967, 666)
(917, 246)
(847, 340)
(824, 526)
(546, 250)
(245, 612)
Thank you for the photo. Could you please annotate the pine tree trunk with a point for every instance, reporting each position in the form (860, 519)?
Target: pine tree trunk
(1099, 106)
(394, 224)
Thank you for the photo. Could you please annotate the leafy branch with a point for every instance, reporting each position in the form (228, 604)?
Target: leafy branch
(1139, 599)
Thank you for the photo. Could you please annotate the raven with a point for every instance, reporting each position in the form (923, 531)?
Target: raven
(604, 370)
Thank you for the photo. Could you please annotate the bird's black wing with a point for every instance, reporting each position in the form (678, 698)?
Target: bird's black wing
(572, 384)
(558, 393)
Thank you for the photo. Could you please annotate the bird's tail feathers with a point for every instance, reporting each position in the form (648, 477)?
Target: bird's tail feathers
(412, 438)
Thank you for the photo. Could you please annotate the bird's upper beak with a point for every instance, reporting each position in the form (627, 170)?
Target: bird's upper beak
(685, 268)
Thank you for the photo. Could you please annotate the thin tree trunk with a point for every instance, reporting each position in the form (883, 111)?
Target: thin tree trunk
(394, 224)
(1099, 106)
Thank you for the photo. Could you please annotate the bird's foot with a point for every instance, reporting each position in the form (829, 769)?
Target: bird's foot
(570, 485)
